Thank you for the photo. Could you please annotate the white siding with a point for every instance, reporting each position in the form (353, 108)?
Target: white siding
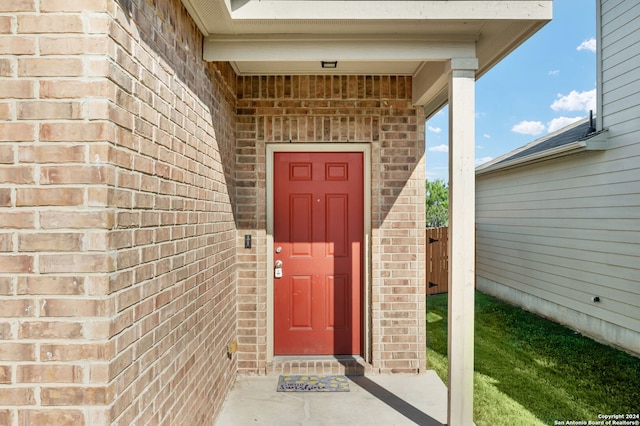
(559, 232)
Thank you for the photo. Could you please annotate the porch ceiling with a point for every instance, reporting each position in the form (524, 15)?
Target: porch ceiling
(415, 37)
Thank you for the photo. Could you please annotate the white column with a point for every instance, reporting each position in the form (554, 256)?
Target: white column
(461, 239)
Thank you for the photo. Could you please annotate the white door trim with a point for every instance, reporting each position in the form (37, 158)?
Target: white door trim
(365, 148)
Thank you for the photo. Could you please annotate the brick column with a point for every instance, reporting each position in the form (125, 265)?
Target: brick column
(55, 259)
(398, 305)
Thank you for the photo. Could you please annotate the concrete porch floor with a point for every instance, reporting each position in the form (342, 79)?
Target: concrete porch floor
(373, 400)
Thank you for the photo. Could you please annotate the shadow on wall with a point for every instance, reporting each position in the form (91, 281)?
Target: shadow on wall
(212, 83)
(178, 133)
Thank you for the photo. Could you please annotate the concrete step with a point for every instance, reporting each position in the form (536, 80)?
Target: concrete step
(347, 365)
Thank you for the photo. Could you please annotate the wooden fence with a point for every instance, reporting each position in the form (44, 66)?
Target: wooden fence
(437, 260)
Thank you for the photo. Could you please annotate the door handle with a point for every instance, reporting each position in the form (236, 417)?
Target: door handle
(277, 270)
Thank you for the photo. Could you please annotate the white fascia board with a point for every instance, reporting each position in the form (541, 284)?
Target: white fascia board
(294, 48)
(598, 142)
(390, 10)
(534, 158)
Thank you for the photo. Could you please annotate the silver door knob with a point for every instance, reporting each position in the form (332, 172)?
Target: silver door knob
(277, 271)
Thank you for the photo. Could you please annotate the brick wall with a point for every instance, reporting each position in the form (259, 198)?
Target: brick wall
(121, 156)
(117, 236)
(370, 109)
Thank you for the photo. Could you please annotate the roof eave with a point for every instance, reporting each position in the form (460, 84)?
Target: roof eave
(597, 142)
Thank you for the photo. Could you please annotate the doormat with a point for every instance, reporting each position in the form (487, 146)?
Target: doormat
(313, 383)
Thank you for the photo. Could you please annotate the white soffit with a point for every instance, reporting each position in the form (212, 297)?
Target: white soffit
(263, 37)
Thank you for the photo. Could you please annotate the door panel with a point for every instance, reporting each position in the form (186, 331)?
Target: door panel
(301, 302)
(338, 298)
(318, 226)
(300, 224)
(336, 225)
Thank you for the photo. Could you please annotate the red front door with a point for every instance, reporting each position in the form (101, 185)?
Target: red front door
(318, 233)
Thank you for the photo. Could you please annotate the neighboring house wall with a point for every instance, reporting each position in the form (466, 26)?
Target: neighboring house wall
(553, 235)
(117, 235)
(311, 109)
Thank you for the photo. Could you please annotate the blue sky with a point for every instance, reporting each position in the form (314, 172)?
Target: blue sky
(545, 84)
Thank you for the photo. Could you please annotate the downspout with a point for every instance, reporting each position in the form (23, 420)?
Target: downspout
(599, 83)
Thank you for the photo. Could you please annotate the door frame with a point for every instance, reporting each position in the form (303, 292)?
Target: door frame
(365, 149)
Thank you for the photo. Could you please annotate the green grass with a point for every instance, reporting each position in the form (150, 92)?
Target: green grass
(531, 371)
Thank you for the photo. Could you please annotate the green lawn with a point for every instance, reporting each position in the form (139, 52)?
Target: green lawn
(531, 371)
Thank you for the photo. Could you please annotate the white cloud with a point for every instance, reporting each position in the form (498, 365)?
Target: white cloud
(439, 148)
(434, 129)
(536, 127)
(589, 45)
(575, 101)
(529, 128)
(483, 160)
(554, 72)
(486, 136)
(560, 122)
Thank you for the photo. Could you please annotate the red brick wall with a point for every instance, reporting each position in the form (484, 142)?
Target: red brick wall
(369, 109)
(117, 236)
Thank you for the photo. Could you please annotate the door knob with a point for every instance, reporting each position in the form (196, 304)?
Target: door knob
(277, 272)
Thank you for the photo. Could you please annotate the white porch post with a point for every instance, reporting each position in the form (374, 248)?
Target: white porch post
(461, 239)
